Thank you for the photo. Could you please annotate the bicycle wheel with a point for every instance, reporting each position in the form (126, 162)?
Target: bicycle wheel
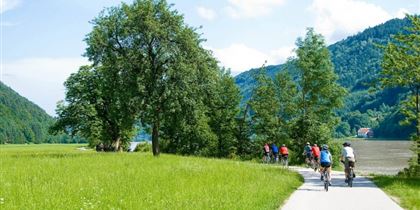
(326, 182)
(350, 178)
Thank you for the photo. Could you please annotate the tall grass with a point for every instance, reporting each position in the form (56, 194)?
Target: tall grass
(406, 189)
(62, 177)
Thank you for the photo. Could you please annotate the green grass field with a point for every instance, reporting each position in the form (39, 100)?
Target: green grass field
(63, 177)
(406, 190)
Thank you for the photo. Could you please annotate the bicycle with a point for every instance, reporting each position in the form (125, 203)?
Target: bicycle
(350, 177)
(326, 178)
(315, 165)
(275, 158)
(266, 159)
(309, 161)
(284, 161)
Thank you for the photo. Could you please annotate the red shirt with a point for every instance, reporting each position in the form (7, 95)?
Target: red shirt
(315, 151)
(284, 151)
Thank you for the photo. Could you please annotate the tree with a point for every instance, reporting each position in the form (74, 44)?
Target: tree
(97, 108)
(401, 67)
(223, 111)
(319, 94)
(265, 107)
(286, 92)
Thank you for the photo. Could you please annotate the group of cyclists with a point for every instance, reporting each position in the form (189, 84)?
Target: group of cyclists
(324, 158)
(272, 152)
(315, 157)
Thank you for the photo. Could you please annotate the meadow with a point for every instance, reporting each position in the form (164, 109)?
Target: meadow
(64, 177)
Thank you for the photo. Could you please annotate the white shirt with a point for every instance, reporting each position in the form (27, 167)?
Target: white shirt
(347, 152)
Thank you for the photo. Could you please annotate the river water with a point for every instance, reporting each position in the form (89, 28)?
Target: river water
(381, 157)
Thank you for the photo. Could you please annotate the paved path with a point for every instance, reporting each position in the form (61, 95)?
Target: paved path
(363, 196)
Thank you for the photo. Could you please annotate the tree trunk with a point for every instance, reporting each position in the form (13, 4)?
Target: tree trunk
(418, 124)
(117, 145)
(155, 138)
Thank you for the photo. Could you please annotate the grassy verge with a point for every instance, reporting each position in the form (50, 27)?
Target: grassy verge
(63, 177)
(406, 190)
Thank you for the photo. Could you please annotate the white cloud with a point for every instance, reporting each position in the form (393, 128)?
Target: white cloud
(336, 19)
(251, 8)
(41, 79)
(402, 12)
(6, 5)
(206, 13)
(239, 57)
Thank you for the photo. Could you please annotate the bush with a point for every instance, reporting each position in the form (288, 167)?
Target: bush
(143, 147)
(410, 172)
(335, 148)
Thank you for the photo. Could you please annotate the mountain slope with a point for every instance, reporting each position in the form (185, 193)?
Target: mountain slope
(21, 120)
(357, 63)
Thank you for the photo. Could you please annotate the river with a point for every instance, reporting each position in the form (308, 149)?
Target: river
(381, 157)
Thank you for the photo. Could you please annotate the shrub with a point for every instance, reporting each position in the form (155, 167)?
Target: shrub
(335, 148)
(143, 147)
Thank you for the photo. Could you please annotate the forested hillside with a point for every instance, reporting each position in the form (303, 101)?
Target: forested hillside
(357, 62)
(21, 121)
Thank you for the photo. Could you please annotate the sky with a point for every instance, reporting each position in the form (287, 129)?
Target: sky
(42, 40)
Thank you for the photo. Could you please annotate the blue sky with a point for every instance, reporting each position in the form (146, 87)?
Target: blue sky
(42, 40)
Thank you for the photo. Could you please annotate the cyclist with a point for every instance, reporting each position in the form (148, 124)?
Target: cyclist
(275, 151)
(307, 151)
(315, 152)
(266, 151)
(348, 158)
(326, 161)
(284, 152)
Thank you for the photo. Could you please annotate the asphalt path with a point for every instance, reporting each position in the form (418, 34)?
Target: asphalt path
(364, 195)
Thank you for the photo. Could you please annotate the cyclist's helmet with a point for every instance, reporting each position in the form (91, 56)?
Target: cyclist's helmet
(307, 143)
(283, 145)
(325, 147)
(315, 145)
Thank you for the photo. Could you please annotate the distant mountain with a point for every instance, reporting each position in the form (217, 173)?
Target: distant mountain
(22, 121)
(357, 63)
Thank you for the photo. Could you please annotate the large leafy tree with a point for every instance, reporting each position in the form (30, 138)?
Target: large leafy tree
(224, 109)
(265, 106)
(286, 94)
(401, 67)
(97, 108)
(319, 93)
(156, 73)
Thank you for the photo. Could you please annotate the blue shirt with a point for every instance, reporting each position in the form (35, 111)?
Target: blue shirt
(274, 148)
(325, 156)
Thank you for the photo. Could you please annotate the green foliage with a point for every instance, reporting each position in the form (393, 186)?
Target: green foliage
(357, 63)
(96, 107)
(149, 67)
(319, 93)
(401, 68)
(143, 147)
(335, 148)
(265, 106)
(224, 108)
(78, 179)
(24, 122)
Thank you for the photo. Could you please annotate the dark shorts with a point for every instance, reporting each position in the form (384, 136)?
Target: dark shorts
(285, 155)
(316, 158)
(349, 162)
(275, 154)
(308, 155)
(325, 165)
